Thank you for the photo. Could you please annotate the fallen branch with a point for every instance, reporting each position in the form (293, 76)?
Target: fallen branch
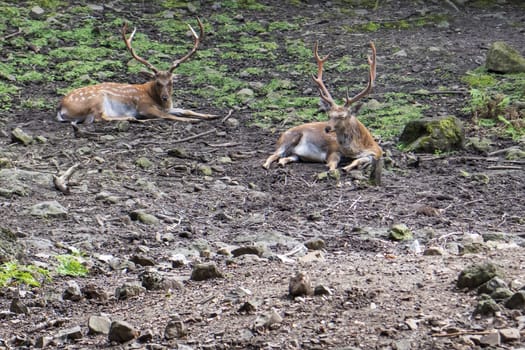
(504, 167)
(61, 182)
(227, 116)
(194, 136)
(440, 92)
(11, 35)
(459, 333)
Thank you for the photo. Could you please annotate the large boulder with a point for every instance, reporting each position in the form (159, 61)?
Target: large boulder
(502, 58)
(430, 135)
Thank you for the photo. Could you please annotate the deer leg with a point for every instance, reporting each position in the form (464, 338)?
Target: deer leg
(333, 160)
(270, 160)
(186, 112)
(105, 117)
(290, 159)
(359, 163)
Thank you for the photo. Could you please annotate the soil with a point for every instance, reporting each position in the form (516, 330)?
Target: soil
(383, 294)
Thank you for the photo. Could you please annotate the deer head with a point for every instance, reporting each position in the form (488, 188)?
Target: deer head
(339, 114)
(162, 81)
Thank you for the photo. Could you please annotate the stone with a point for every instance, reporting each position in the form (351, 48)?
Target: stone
(300, 285)
(491, 339)
(19, 136)
(10, 247)
(142, 260)
(121, 332)
(154, 280)
(99, 324)
(205, 271)
(312, 256)
(502, 58)
(487, 306)
(501, 294)
(22, 182)
(475, 275)
(400, 232)
(433, 251)
(72, 291)
(434, 134)
(18, 307)
(251, 249)
(145, 218)
(491, 285)
(128, 290)
(315, 244)
(93, 292)
(205, 170)
(178, 153)
(143, 163)
(322, 290)
(510, 335)
(49, 209)
(175, 328)
(516, 301)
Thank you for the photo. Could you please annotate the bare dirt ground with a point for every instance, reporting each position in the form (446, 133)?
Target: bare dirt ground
(384, 295)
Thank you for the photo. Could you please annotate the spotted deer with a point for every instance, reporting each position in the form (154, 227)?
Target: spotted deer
(343, 135)
(115, 101)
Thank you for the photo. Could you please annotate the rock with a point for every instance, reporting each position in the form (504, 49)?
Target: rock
(502, 58)
(44, 342)
(322, 290)
(400, 232)
(93, 292)
(300, 285)
(99, 324)
(72, 291)
(315, 244)
(475, 275)
(491, 339)
(205, 271)
(312, 256)
(248, 307)
(19, 136)
(143, 163)
(153, 280)
(487, 306)
(516, 301)
(121, 332)
(515, 154)
(146, 219)
(178, 260)
(430, 135)
(22, 182)
(178, 153)
(491, 285)
(501, 294)
(267, 320)
(48, 209)
(175, 328)
(205, 170)
(510, 335)
(128, 290)
(142, 260)
(10, 248)
(232, 123)
(251, 249)
(433, 251)
(18, 307)
(37, 12)
(72, 333)
(479, 144)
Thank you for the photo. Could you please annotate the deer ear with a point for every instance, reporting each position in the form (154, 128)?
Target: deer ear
(147, 74)
(324, 106)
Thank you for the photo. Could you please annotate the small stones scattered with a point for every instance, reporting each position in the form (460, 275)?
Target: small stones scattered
(300, 285)
(205, 271)
(121, 332)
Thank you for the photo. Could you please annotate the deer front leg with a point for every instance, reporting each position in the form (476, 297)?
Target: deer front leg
(153, 112)
(186, 112)
(333, 160)
(290, 159)
(359, 163)
(105, 117)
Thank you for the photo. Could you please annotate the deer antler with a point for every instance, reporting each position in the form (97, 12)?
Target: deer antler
(196, 40)
(130, 49)
(323, 91)
(371, 79)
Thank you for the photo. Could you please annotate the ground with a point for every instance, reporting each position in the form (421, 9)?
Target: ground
(384, 294)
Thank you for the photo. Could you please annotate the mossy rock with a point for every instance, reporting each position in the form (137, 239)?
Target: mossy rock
(502, 58)
(430, 135)
(475, 275)
(9, 247)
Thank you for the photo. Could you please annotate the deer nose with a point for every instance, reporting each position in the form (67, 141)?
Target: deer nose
(164, 97)
(327, 129)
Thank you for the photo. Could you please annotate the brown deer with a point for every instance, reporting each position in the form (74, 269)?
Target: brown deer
(343, 135)
(114, 101)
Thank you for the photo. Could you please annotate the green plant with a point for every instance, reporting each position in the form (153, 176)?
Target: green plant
(71, 265)
(13, 273)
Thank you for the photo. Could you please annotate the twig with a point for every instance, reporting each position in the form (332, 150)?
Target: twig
(503, 150)
(504, 167)
(440, 92)
(227, 116)
(226, 144)
(61, 182)
(11, 35)
(194, 136)
(456, 334)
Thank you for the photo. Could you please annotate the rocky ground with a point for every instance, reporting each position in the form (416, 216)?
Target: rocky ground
(148, 209)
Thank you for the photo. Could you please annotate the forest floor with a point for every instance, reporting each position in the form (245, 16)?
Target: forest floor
(210, 195)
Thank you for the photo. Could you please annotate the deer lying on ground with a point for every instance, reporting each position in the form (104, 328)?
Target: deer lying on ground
(114, 101)
(342, 136)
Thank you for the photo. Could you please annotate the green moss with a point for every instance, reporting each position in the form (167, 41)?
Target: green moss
(13, 273)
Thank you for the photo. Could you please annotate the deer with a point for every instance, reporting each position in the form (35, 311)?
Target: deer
(342, 136)
(133, 102)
